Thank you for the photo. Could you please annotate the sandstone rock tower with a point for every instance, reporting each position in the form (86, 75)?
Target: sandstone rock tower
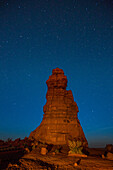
(60, 121)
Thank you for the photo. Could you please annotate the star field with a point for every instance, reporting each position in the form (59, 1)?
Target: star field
(38, 36)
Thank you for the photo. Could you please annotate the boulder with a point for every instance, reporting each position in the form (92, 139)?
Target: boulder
(109, 156)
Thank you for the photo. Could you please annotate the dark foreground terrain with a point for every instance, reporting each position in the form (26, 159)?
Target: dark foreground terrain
(26, 154)
(59, 161)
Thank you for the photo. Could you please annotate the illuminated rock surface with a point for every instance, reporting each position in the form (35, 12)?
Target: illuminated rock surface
(60, 121)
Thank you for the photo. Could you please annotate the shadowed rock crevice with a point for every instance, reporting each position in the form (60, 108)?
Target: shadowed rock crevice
(60, 121)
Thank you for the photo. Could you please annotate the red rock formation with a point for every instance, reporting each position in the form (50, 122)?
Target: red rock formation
(60, 121)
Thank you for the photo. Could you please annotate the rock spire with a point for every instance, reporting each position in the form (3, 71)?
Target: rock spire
(60, 122)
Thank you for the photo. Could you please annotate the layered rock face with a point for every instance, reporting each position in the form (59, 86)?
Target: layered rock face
(60, 122)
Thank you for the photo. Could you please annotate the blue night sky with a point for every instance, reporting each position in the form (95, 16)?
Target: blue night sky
(40, 35)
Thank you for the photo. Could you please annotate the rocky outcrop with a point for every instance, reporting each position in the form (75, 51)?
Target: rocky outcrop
(109, 148)
(109, 156)
(60, 122)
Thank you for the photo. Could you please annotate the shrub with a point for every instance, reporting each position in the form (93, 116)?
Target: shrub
(56, 151)
(75, 147)
(33, 147)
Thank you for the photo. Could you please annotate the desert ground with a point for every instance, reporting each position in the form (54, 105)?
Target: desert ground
(33, 159)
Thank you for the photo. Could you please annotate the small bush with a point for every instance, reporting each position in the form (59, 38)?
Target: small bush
(33, 147)
(75, 147)
(56, 151)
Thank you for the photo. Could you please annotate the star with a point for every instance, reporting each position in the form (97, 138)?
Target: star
(45, 23)
(86, 9)
(21, 36)
(58, 38)
(94, 29)
(14, 104)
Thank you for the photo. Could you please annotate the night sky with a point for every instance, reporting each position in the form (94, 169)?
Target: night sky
(40, 35)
